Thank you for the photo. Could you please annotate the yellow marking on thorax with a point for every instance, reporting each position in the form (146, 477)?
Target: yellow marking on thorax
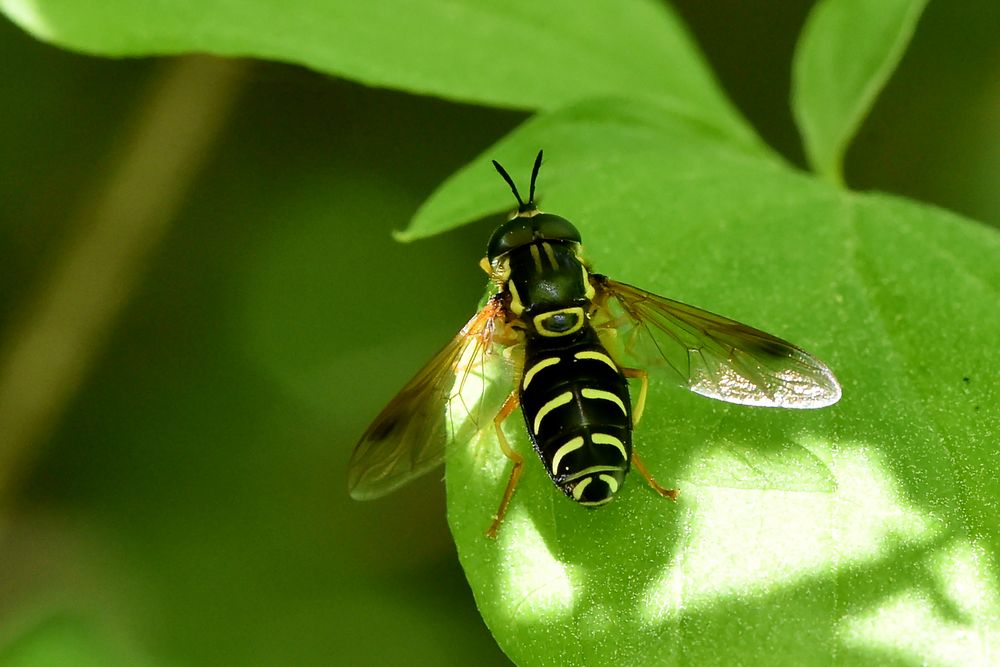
(539, 322)
(605, 396)
(547, 247)
(541, 365)
(516, 306)
(560, 400)
(605, 439)
(536, 256)
(597, 356)
(571, 446)
(589, 291)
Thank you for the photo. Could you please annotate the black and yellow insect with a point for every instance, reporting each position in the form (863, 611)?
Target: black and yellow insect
(573, 339)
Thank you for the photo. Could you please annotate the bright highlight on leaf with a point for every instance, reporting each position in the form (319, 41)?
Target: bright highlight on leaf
(539, 585)
(29, 16)
(744, 542)
(912, 625)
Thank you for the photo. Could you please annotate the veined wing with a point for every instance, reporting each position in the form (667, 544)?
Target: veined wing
(408, 437)
(709, 354)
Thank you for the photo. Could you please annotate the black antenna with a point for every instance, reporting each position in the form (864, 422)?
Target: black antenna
(521, 206)
(510, 182)
(534, 176)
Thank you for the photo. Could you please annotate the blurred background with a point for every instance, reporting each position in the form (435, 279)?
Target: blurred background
(186, 359)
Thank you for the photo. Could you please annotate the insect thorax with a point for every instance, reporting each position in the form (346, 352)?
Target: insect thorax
(549, 287)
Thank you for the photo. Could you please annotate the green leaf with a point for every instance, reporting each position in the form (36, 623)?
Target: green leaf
(472, 191)
(846, 53)
(520, 54)
(856, 532)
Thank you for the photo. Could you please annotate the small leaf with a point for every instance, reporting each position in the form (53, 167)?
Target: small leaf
(518, 54)
(837, 524)
(846, 53)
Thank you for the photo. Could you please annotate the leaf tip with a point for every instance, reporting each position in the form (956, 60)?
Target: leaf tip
(404, 235)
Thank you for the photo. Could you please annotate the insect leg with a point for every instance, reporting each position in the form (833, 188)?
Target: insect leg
(640, 403)
(653, 484)
(515, 474)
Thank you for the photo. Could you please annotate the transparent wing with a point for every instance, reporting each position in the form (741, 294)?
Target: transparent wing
(710, 355)
(408, 437)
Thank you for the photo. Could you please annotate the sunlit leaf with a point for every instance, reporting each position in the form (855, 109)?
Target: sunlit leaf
(597, 137)
(776, 506)
(520, 54)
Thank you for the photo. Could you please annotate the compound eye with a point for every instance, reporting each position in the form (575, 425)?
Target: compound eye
(512, 234)
(555, 228)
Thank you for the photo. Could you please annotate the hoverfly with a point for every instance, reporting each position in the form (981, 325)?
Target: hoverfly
(574, 338)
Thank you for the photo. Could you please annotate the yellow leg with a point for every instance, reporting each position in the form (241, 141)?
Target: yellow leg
(653, 484)
(508, 407)
(640, 403)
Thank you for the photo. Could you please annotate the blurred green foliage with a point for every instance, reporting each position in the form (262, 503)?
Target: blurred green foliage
(189, 507)
(192, 500)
